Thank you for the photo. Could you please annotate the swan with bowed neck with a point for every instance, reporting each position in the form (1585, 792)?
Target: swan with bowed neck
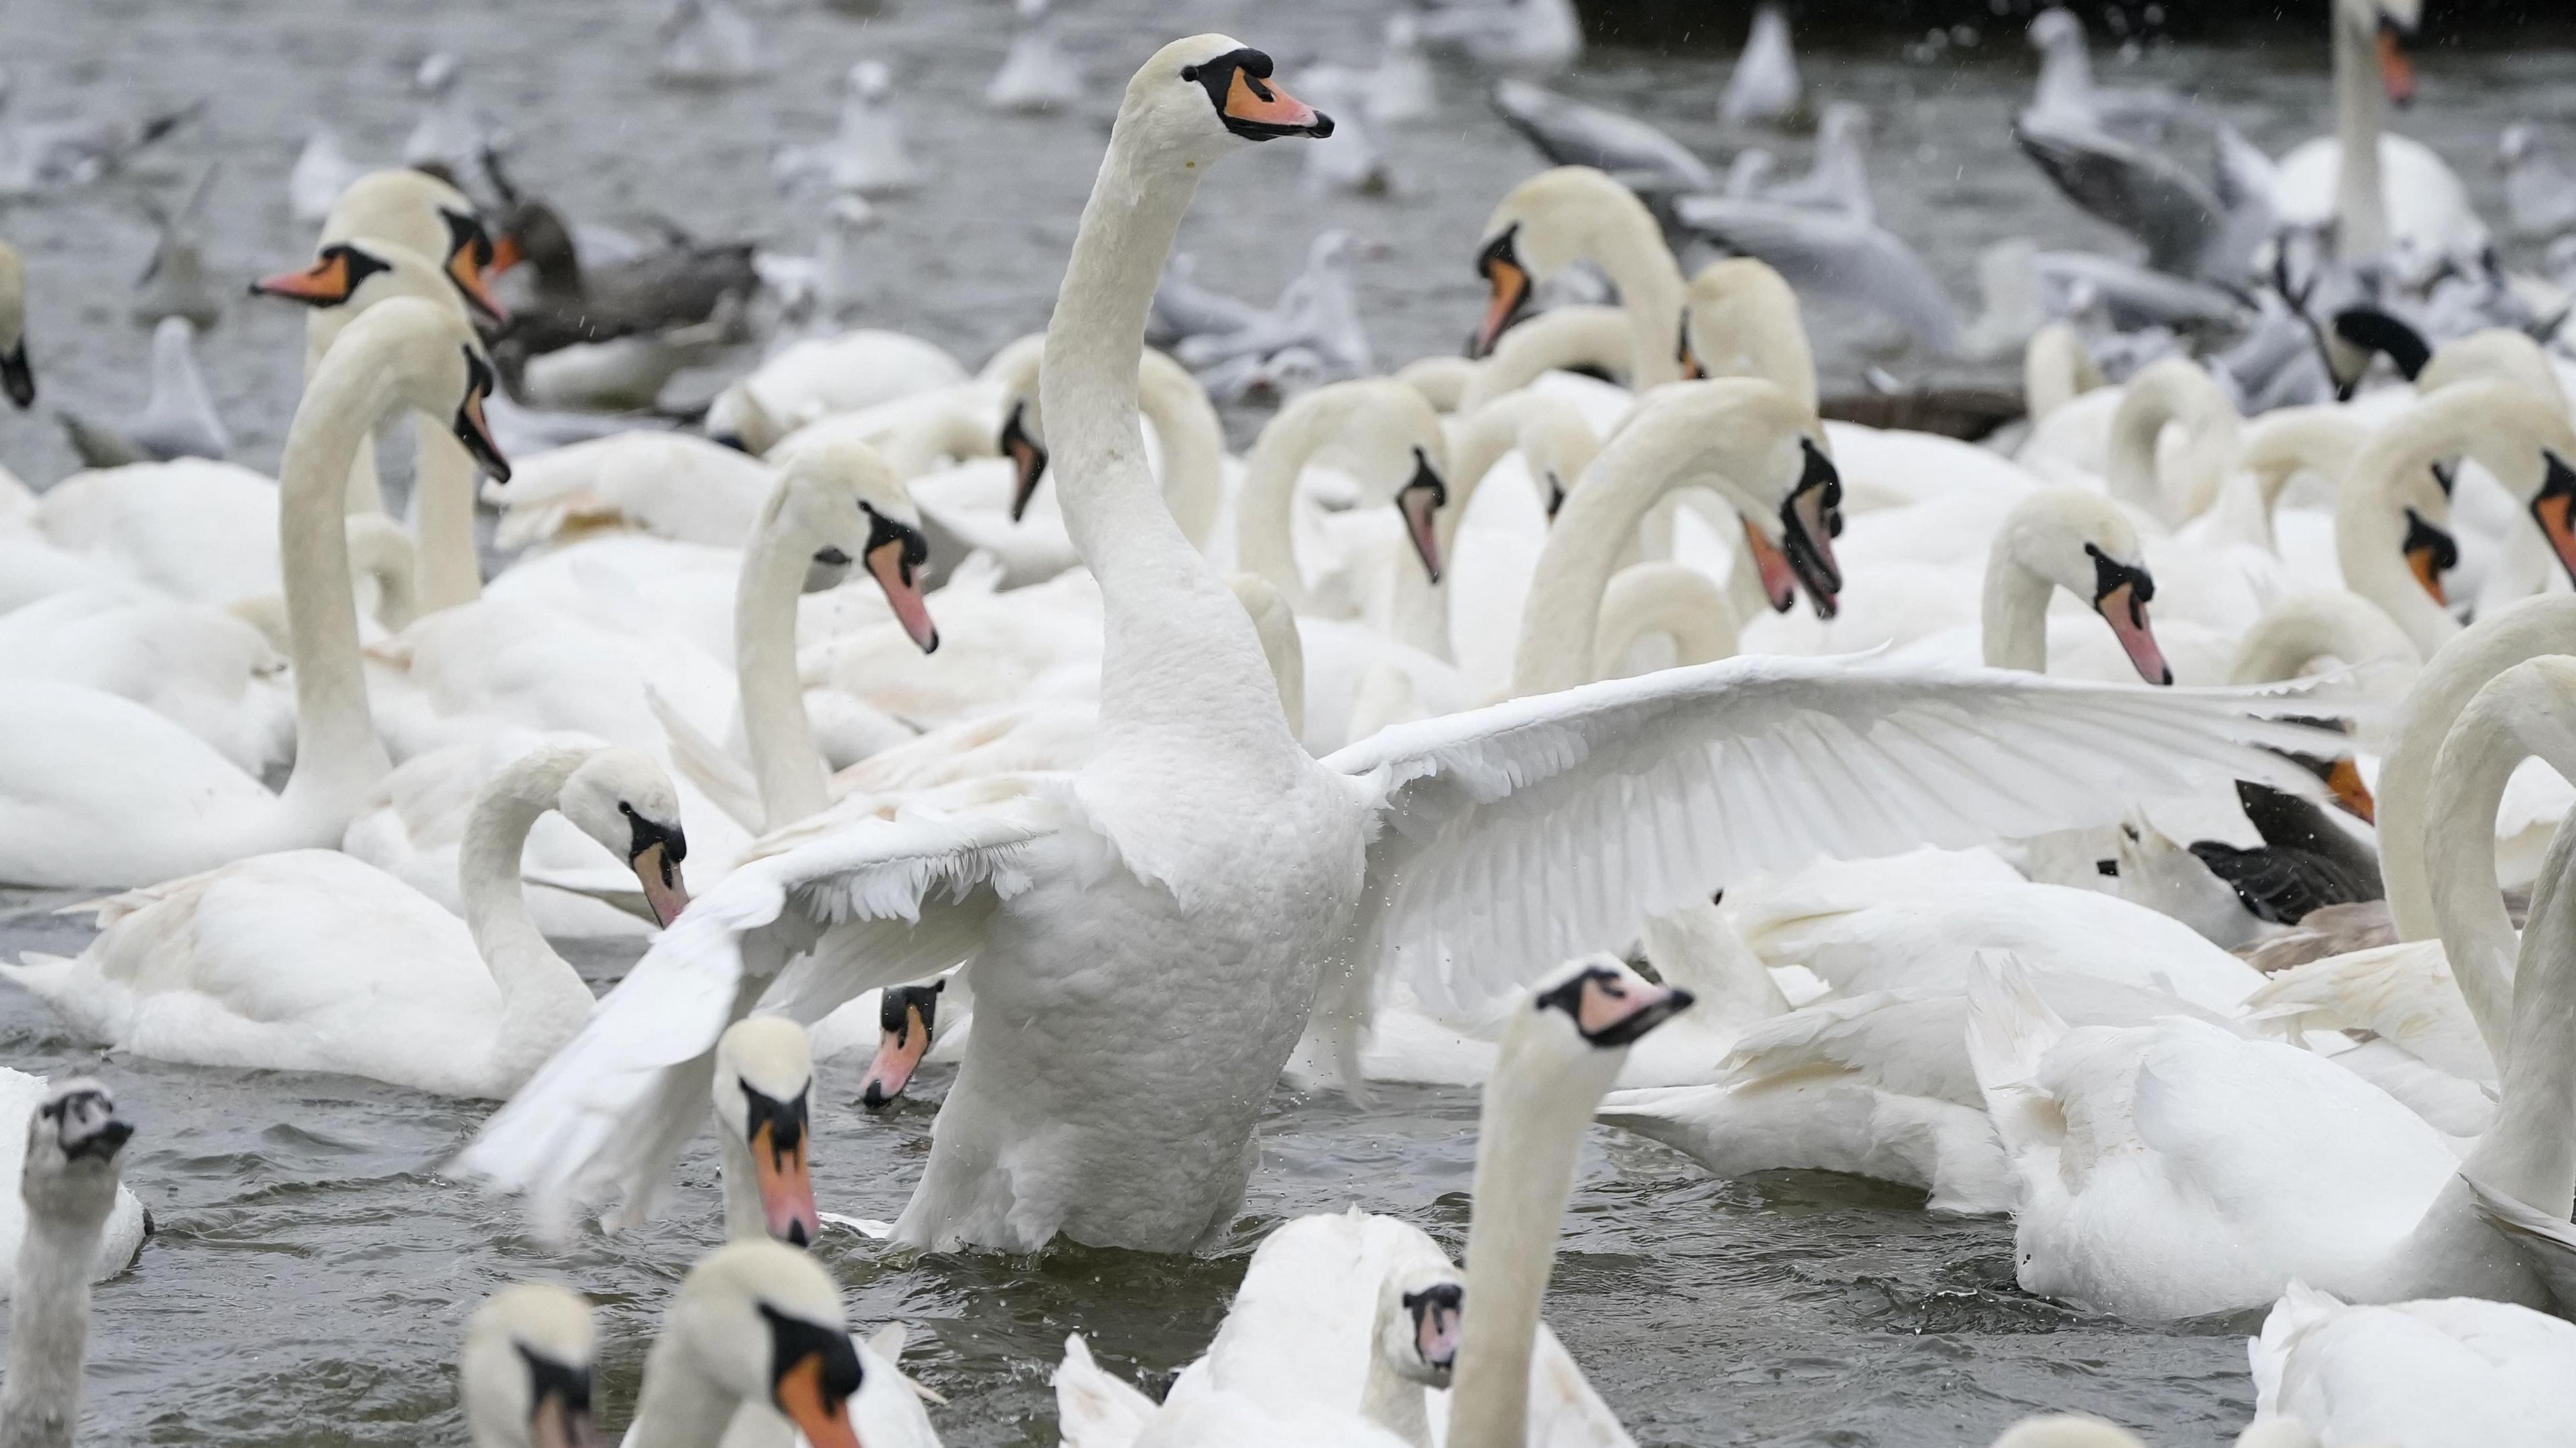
(1156, 925)
(96, 789)
(1575, 213)
(754, 1323)
(503, 664)
(2331, 1182)
(311, 961)
(68, 1183)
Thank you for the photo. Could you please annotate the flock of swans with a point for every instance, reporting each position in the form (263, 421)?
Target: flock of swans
(1007, 718)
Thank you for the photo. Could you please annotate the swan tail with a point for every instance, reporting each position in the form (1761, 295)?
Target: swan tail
(708, 766)
(2010, 1028)
(1094, 1409)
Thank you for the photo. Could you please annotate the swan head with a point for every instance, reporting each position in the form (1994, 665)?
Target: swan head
(526, 1369)
(16, 378)
(906, 1016)
(436, 366)
(622, 799)
(1591, 1010)
(74, 1138)
(2079, 541)
(428, 217)
(2387, 27)
(840, 493)
(2521, 436)
(762, 1322)
(350, 276)
(1199, 97)
(1540, 227)
(1418, 1318)
(1389, 439)
(764, 1089)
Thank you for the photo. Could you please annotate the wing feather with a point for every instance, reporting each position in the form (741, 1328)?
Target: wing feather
(868, 895)
(1514, 836)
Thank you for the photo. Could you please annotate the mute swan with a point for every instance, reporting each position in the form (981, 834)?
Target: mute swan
(68, 1182)
(755, 1322)
(819, 376)
(1571, 213)
(208, 669)
(23, 1099)
(1326, 1296)
(2444, 1370)
(1163, 912)
(16, 378)
(2381, 190)
(99, 790)
(526, 1372)
(348, 278)
(2333, 1183)
(1387, 438)
(237, 966)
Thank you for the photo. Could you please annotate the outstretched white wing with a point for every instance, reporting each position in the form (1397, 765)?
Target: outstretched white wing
(867, 895)
(1518, 835)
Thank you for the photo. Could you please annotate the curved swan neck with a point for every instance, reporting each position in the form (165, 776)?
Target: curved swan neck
(2459, 863)
(337, 755)
(541, 994)
(1265, 541)
(1193, 440)
(448, 571)
(1671, 599)
(1532, 1131)
(1395, 1403)
(2361, 207)
(2451, 677)
(1650, 292)
(1690, 436)
(2370, 537)
(2172, 391)
(48, 1331)
(1557, 339)
(2295, 633)
(2279, 446)
(2528, 1152)
(1175, 651)
(2012, 618)
(1744, 322)
(785, 762)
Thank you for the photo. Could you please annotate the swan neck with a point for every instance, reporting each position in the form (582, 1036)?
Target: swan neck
(1185, 423)
(1525, 1158)
(447, 572)
(678, 1406)
(2361, 206)
(1265, 540)
(2012, 620)
(2458, 858)
(1670, 599)
(1653, 455)
(2369, 547)
(2528, 1153)
(1650, 292)
(338, 757)
(1392, 1402)
(1177, 654)
(542, 996)
(48, 1331)
(785, 762)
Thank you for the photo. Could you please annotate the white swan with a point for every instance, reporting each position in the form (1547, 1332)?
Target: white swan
(1164, 910)
(2332, 1182)
(525, 1375)
(818, 376)
(1571, 213)
(754, 1323)
(22, 1100)
(2381, 190)
(67, 1179)
(2442, 1370)
(311, 961)
(98, 790)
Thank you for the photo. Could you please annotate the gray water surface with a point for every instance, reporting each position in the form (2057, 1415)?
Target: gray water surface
(313, 1271)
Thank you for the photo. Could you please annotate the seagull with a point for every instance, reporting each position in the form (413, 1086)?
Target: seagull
(1839, 181)
(867, 153)
(1036, 75)
(2066, 84)
(174, 282)
(1574, 133)
(178, 420)
(1531, 35)
(2539, 190)
(2190, 227)
(322, 171)
(1764, 87)
(711, 43)
(1839, 255)
(55, 155)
